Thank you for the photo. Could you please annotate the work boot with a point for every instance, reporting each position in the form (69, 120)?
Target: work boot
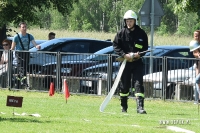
(140, 105)
(124, 103)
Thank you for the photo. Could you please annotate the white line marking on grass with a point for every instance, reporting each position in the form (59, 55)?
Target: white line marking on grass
(25, 114)
(2, 113)
(135, 125)
(15, 113)
(35, 115)
(178, 129)
(87, 120)
(124, 125)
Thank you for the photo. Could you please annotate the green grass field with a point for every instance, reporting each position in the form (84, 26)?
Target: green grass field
(81, 115)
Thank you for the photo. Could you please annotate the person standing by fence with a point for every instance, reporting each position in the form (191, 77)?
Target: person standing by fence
(21, 44)
(130, 40)
(195, 48)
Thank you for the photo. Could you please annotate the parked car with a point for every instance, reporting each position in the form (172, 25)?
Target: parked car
(75, 67)
(159, 52)
(172, 62)
(67, 47)
(173, 77)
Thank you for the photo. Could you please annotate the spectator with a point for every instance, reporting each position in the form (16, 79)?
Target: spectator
(3, 62)
(6, 46)
(21, 44)
(51, 35)
(197, 35)
(196, 54)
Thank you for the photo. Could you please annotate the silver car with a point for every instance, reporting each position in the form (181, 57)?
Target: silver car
(173, 77)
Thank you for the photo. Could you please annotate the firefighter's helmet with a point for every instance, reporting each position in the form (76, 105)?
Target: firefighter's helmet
(194, 45)
(130, 15)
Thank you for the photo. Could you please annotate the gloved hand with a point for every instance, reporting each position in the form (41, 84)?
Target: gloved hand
(133, 56)
(130, 57)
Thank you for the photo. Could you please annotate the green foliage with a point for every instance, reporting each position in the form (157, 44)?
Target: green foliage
(162, 30)
(181, 30)
(45, 19)
(169, 19)
(23, 10)
(197, 26)
(186, 21)
(98, 15)
(95, 12)
(188, 6)
(87, 26)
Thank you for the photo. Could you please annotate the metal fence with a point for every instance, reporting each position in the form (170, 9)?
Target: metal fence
(170, 78)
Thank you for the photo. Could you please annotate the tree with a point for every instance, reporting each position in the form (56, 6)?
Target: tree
(86, 16)
(188, 6)
(15, 11)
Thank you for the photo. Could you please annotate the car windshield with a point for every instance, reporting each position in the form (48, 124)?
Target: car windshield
(158, 52)
(48, 45)
(106, 50)
(98, 56)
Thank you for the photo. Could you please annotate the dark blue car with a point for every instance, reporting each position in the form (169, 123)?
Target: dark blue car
(175, 61)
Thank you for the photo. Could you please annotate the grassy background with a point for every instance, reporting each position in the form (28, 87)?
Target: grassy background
(158, 40)
(81, 114)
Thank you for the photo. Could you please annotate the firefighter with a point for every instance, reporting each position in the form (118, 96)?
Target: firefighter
(128, 42)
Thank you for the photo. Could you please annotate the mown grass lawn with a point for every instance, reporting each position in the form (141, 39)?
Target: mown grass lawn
(81, 115)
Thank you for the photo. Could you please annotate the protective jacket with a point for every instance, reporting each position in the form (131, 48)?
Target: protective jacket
(127, 41)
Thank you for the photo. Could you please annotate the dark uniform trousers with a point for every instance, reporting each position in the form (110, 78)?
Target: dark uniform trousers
(132, 70)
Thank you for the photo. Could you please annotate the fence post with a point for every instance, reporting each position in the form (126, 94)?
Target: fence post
(109, 71)
(99, 86)
(164, 77)
(58, 76)
(9, 69)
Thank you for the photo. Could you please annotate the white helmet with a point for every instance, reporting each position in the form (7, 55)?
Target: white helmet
(194, 45)
(130, 15)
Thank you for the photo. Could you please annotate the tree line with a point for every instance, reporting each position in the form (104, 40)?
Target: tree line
(107, 16)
